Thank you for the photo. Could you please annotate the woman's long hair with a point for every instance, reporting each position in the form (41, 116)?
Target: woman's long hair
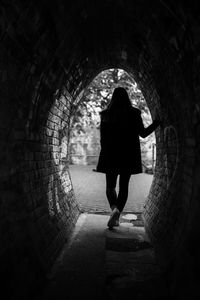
(119, 105)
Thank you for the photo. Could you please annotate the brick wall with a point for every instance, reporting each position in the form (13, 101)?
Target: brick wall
(38, 207)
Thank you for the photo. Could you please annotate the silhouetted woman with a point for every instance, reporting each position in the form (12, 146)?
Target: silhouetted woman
(121, 126)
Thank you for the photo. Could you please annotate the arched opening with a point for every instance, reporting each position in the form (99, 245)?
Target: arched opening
(84, 144)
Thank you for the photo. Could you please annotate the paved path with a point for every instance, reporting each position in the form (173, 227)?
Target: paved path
(102, 264)
(89, 187)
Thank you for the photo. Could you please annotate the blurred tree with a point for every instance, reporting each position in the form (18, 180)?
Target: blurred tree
(95, 98)
(98, 93)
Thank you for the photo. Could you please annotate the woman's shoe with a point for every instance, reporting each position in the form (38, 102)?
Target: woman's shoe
(116, 223)
(114, 218)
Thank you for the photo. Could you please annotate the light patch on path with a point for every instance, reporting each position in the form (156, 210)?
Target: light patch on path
(89, 187)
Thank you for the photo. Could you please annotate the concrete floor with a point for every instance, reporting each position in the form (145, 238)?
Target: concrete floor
(98, 263)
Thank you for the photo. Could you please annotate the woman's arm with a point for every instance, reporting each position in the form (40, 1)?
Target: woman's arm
(144, 132)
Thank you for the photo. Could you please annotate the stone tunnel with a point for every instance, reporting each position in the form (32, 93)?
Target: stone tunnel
(49, 52)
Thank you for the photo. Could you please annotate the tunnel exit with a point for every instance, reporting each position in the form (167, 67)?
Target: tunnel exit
(84, 144)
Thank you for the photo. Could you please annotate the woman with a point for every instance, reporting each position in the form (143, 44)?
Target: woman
(121, 126)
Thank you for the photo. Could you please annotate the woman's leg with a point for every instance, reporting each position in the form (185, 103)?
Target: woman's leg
(123, 190)
(111, 181)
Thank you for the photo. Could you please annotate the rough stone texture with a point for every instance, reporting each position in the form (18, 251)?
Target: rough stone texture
(49, 51)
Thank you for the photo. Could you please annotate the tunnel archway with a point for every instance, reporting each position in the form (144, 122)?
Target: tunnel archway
(49, 53)
(84, 144)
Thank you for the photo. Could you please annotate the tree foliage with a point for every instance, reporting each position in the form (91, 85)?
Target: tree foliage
(99, 92)
(96, 96)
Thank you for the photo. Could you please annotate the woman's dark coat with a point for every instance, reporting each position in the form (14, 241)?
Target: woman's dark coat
(120, 145)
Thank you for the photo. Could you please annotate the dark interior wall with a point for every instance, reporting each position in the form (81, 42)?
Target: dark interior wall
(38, 208)
(49, 52)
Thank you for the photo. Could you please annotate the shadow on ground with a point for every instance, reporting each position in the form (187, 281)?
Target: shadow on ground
(99, 263)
